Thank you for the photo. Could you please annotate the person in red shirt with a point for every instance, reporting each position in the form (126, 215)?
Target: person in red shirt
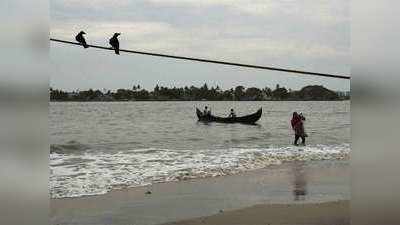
(298, 127)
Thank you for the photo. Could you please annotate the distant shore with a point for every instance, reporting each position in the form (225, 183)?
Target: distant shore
(178, 100)
(204, 93)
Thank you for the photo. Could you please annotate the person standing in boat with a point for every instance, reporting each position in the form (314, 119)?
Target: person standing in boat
(232, 114)
(207, 111)
(298, 127)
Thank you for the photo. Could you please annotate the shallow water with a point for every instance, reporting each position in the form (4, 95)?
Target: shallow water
(96, 147)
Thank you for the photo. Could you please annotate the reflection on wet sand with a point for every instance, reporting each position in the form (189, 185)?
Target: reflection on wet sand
(299, 182)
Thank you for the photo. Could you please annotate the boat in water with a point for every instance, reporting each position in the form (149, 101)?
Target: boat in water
(248, 119)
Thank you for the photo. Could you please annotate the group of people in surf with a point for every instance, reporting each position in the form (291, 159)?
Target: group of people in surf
(297, 123)
(207, 111)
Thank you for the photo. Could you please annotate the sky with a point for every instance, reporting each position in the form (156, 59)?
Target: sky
(311, 35)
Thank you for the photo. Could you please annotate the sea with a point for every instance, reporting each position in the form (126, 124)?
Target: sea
(96, 147)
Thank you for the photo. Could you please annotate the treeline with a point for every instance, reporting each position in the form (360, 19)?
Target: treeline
(192, 93)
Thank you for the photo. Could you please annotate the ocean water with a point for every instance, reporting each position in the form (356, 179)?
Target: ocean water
(100, 146)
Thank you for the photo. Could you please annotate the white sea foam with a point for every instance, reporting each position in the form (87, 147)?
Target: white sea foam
(93, 174)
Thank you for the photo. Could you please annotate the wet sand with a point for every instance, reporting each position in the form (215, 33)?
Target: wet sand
(293, 193)
(330, 213)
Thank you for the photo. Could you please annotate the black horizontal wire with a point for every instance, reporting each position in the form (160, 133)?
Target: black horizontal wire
(211, 61)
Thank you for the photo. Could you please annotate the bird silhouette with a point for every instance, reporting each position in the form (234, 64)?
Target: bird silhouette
(115, 43)
(81, 39)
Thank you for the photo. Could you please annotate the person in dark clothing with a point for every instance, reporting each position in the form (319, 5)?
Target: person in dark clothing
(298, 127)
(81, 39)
(115, 43)
(232, 114)
(207, 111)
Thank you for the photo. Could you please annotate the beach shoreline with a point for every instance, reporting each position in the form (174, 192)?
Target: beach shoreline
(326, 213)
(290, 184)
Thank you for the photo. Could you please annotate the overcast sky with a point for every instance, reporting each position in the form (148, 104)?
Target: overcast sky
(311, 35)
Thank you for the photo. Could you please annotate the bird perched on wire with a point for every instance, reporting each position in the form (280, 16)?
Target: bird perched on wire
(115, 43)
(81, 39)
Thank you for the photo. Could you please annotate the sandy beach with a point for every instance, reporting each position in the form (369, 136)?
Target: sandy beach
(292, 193)
(330, 213)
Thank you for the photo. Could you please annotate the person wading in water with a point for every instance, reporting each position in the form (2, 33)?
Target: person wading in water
(298, 127)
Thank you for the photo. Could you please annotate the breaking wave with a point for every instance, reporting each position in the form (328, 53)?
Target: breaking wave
(93, 174)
